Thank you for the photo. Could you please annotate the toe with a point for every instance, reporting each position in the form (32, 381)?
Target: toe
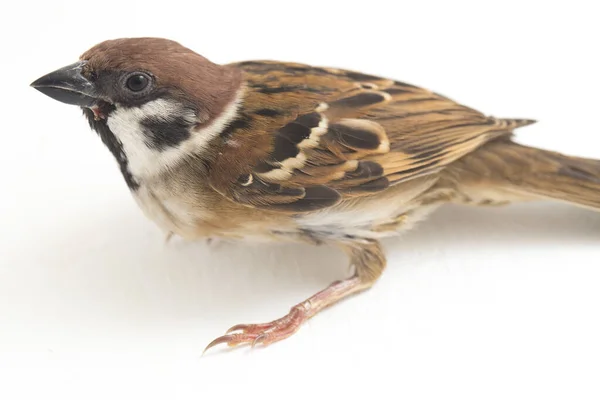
(217, 341)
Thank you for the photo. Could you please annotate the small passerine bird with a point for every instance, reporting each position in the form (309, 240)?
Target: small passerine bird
(282, 151)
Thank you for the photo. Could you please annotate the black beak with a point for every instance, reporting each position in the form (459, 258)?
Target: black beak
(68, 85)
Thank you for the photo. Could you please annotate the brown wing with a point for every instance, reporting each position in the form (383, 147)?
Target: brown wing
(307, 137)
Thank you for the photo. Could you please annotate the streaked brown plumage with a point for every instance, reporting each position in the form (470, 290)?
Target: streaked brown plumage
(285, 151)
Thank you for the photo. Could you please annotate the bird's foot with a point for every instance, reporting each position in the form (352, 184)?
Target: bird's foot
(265, 334)
(279, 329)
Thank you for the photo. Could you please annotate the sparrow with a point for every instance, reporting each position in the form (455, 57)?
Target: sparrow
(280, 151)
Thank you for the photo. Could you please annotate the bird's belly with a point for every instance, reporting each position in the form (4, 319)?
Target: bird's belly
(168, 212)
(389, 214)
(364, 224)
(351, 220)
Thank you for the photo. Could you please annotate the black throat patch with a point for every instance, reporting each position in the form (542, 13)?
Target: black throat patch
(114, 146)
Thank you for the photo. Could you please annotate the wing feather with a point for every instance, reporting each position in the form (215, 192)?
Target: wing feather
(320, 135)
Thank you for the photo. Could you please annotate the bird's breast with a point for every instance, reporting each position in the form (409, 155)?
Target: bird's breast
(197, 211)
(167, 211)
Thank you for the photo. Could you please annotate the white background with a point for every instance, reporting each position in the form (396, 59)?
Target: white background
(476, 303)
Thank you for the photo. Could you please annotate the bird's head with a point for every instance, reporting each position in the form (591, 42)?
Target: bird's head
(152, 101)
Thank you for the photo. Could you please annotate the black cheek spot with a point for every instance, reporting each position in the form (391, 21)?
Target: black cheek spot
(163, 134)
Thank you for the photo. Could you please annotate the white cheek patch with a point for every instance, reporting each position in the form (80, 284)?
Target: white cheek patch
(150, 151)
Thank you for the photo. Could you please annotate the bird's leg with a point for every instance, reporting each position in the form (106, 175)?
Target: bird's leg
(369, 262)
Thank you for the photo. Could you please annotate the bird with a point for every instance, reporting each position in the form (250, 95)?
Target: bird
(287, 152)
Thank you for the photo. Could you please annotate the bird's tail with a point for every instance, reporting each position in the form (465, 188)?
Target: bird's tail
(525, 173)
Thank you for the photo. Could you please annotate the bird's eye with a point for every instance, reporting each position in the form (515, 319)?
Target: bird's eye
(137, 82)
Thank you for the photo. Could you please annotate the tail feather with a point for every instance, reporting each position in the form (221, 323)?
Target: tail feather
(513, 123)
(531, 173)
(575, 180)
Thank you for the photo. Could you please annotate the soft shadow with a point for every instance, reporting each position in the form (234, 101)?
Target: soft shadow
(126, 275)
(515, 225)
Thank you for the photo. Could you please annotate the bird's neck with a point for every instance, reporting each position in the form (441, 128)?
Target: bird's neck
(149, 140)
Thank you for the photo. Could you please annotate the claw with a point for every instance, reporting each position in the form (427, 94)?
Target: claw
(236, 340)
(217, 341)
(238, 327)
(264, 334)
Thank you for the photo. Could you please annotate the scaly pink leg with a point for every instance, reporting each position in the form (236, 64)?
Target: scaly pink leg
(286, 326)
(369, 261)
